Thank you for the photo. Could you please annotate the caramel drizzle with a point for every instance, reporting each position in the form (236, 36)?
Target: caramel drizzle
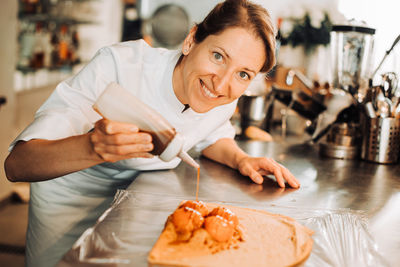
(198, 182)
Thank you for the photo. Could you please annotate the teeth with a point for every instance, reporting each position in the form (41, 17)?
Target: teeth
(208, 92)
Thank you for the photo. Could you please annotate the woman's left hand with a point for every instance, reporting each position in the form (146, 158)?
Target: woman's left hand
(255, 168)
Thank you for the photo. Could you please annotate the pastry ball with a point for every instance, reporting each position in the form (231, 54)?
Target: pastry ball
(186, 220)
(219, 228)
(227, 214)
(196, 205)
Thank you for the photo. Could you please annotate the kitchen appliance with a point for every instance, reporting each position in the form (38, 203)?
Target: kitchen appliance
(342, 141)
(351, 46)
(305, 101)
(253, 110)
(255, 105)
(336, 113)
(167, 22)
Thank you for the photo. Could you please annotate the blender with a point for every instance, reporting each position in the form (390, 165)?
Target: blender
(352, 46)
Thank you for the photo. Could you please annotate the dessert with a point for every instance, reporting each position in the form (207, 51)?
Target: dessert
(199, 234)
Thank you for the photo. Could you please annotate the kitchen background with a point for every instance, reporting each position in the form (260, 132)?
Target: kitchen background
(45, 41)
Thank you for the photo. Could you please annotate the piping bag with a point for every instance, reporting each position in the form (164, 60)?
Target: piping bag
(117, 104)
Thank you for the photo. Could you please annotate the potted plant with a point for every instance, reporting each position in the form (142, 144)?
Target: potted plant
(304, 38)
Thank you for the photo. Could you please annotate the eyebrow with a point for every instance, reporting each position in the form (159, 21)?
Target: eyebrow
(227, 55)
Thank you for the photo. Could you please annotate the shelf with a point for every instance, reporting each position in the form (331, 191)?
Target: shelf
(60, 68)
(27, 79)
(56, 19)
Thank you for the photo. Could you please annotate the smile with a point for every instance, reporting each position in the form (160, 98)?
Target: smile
(206, 91)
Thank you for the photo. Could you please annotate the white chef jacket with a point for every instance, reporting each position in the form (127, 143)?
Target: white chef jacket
(61, 209)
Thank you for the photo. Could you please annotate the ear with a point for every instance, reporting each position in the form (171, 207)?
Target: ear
(188, 43)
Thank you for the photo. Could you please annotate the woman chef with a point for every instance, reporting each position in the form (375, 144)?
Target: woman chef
(73, 155)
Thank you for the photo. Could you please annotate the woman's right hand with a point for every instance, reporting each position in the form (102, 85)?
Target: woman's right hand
(113, 141)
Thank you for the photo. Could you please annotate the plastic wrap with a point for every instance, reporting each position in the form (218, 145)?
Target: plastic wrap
(126, 232)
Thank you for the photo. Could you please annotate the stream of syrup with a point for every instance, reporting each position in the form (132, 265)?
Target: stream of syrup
(198, 182)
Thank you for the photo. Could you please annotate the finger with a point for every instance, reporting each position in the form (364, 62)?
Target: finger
(103, 151)
(141, 155)
(113, 158)
(268, 165)
(248, 170)
(276, 169)
(256, 177)
(128, 149)
(279, 177)
(245, 169)
(126, 139)
(290, 178)
(113, 127)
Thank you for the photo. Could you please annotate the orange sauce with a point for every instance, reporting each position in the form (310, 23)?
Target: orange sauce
(198, 182)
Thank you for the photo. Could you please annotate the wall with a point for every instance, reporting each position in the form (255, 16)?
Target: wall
(8, 30)
(381, 15)
(106, 29)
(285, 8)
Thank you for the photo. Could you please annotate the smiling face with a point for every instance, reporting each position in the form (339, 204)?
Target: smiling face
(217, 70)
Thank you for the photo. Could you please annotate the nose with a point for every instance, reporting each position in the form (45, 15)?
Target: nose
(222, 81)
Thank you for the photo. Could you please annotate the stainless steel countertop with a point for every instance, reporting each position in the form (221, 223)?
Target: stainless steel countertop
(325, 184)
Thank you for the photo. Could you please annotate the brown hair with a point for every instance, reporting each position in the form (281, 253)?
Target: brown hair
(245, 14)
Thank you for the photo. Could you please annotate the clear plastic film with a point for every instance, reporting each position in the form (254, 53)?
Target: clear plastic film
(126, 232)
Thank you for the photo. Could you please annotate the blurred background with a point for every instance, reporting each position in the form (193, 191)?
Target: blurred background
(46, 41)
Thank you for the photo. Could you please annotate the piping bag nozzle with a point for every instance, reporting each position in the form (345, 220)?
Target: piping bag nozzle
(188, 159)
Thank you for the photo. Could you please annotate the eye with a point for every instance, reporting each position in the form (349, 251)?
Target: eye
(243, 75)
(217, 56)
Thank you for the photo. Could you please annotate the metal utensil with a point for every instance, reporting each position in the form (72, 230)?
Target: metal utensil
(389, 83)
(396, 112)
(386, 54)
(302, 78)
(369, 109)
(338, 101)
(383, 105)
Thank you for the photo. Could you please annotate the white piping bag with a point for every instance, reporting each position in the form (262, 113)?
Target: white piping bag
(117, 104)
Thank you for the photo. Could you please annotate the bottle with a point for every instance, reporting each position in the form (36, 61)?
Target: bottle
(54, 41)
(63, 45)
(27, 41)
(279, 38)
(74, 46)
(30, 7)
(37, 61)
(117, 104)
(47, 47)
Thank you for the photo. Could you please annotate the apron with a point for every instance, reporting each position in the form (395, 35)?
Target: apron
(60, 210)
